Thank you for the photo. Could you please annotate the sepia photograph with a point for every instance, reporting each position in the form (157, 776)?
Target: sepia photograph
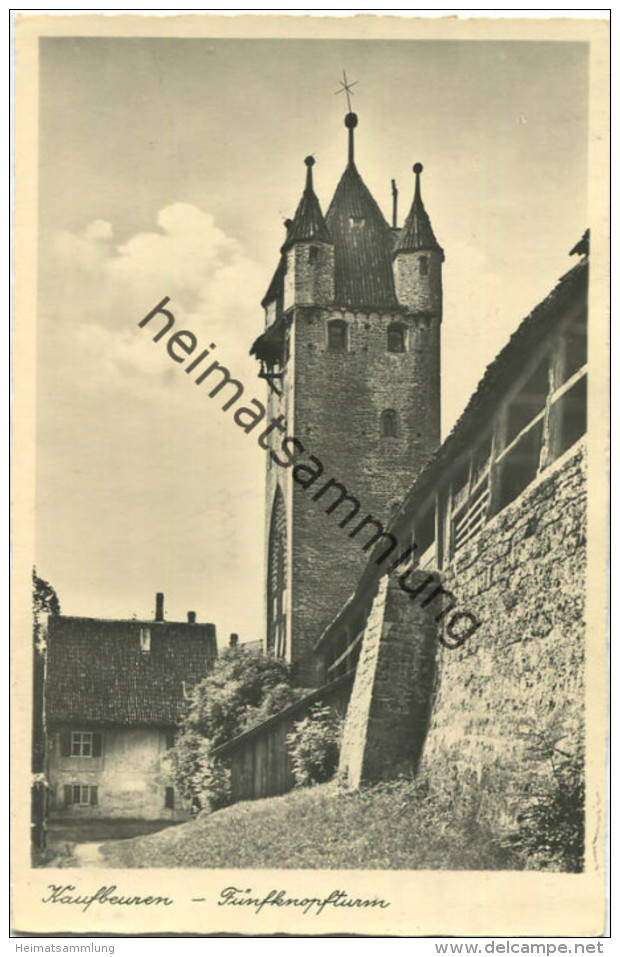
(311, 414)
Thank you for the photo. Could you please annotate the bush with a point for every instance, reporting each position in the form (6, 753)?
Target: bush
(551, 826)
(314, 746)
(199, 777)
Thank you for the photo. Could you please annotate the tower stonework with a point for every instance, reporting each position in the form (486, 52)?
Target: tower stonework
(351, 352)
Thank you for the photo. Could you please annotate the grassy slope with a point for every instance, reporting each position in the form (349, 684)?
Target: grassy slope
(387, 826)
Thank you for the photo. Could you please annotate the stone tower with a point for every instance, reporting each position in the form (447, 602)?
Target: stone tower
(351, 352)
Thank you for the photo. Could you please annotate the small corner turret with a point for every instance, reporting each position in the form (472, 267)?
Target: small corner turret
(308, 252)
(417, 259)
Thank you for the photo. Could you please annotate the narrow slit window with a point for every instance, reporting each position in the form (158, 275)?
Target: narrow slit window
(337, 335)
(396, 338)
(424, 265)
(389, 424)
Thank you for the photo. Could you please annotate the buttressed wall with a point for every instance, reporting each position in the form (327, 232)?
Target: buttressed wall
(524, 579)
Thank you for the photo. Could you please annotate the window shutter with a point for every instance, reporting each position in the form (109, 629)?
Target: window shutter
(67, 789)
(65, 744)
(97, 742)
(94, 796)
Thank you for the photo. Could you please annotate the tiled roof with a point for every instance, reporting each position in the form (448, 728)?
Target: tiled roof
(308, 223)
(417, 233)
(97, 673)
(362, 246)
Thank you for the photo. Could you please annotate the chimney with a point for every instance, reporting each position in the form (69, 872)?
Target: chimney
(233, 641)
(159, 606)
(394, 205)
(191, 617)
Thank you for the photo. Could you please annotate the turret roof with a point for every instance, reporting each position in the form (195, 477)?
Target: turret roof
(417, 233)
(308, 223)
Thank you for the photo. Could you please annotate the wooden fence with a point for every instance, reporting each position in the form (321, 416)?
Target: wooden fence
(259, 759)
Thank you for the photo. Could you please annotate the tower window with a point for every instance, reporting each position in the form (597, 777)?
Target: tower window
(389, 424)
(337, 335)
(313, 254)
(396, 338)
(424, 265)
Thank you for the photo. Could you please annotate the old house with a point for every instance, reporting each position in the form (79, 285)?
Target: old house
(114, 692)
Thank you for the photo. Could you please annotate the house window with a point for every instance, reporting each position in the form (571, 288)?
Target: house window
(169, 799)
(81, 744)
(337, 335)
(81, 795)
(424, 265)
(396, 338)
(389, 424)
(169, 739)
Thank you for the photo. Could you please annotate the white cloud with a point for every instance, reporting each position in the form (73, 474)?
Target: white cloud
(138, 469)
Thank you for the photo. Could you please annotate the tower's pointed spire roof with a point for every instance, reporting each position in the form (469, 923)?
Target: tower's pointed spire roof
(362, 240)
(417, 233)
(309, 222)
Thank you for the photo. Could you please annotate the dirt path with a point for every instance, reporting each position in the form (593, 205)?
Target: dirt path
(88, 855)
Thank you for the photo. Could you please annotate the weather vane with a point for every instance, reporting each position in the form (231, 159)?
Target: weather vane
(346, 88)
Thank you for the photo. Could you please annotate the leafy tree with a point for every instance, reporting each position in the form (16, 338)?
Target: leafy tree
(242, 690)
(44, 602)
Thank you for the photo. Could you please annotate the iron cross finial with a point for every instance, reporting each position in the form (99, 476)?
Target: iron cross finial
(346, 88)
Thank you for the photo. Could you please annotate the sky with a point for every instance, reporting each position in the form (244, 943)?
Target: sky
(166, 168)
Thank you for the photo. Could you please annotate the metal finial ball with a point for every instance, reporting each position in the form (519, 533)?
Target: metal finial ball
(350, 121)
(417, 167)
(309, 161)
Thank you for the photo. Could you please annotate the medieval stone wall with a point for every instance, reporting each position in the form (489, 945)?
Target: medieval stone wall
(524, 578)
(476, 710)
